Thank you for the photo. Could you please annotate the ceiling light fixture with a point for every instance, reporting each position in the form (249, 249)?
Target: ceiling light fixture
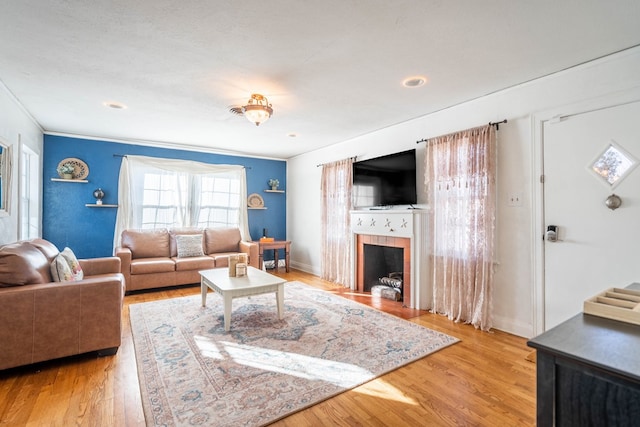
(114, 105)
(415, 81)
(258, 110)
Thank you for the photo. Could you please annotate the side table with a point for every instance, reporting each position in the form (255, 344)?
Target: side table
(276, 245)
(588, 372)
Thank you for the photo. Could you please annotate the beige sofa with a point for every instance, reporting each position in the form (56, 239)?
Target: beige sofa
(151, 258)
(42, 319)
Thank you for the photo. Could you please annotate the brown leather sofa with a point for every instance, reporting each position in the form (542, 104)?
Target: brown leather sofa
(42, 319)
(150, 257)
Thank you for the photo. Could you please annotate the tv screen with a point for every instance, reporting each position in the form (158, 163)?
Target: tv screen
(385, 181)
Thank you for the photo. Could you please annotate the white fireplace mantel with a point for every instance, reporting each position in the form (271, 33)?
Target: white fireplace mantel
(408, 223)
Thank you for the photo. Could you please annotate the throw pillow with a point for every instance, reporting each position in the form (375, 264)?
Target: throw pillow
(147, 243)
(74, 264)
(219, 240)
(60, 270)
(189, 245)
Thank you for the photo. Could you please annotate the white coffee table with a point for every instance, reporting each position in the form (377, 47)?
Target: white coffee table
(254, 283)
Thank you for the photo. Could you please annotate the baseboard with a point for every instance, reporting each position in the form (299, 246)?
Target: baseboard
(306, 268)
(513, 327)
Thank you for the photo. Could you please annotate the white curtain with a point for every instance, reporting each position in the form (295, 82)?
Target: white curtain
(336, 186)
(179, 184)
(460, 177)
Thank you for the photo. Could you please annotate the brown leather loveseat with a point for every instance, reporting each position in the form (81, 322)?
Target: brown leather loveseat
(169, 257)
(42, 319)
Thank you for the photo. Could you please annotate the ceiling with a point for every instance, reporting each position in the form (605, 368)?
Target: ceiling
(332, 69)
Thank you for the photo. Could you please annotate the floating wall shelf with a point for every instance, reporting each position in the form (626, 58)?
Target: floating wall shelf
(274, 191)
(94, 205)
(81, 181)
(256, 208)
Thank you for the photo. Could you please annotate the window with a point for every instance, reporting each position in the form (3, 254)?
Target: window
(167, 193)
(161, 201)
(613, 165)
(28, 188)
(366, 195)
(460, 176)
(465, 201)
(336, 195)
(175, 200)
(219, 202)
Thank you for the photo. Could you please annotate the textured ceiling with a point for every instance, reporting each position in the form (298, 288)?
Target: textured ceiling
(332, 69)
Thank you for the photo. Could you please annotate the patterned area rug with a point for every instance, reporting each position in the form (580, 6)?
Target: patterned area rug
(192, 372)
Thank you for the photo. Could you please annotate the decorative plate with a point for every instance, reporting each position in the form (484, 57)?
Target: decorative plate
(255, 201)
(80, 168)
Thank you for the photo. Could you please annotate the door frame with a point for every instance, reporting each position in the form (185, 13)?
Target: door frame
(538, 121)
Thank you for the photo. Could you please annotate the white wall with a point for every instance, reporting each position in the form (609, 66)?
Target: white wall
(16, 127)
(514, 282)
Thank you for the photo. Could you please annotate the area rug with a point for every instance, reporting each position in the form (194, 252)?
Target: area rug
(192, 372)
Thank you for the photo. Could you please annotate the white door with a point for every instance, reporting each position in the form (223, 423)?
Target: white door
(597, 247)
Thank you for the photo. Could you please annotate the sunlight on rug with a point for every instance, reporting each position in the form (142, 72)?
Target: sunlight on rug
(192, 372)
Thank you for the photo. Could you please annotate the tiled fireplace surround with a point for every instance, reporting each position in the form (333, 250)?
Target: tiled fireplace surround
(405, 229)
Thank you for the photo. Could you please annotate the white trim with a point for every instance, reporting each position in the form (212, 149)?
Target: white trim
(26, 149)
(160, 144)
(508, 325)
(537, 125)
(307, 268)
(537, 226)
(19, 104)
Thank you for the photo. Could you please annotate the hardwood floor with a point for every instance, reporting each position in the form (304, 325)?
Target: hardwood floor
(485, 380)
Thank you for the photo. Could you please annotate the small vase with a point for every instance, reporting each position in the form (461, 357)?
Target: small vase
(67, 175)
(274, 187)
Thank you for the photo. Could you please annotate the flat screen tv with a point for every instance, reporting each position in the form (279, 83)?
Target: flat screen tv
(385, 181)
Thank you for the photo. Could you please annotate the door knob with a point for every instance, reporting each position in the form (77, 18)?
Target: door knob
(552, 233)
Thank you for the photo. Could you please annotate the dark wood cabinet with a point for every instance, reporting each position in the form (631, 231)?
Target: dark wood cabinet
(588, 373)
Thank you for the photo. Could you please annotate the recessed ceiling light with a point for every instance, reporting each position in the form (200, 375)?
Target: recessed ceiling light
(292, 135)
(415, 81)
(114, 105)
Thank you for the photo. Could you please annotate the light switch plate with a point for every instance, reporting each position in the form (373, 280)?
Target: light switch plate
(514, 199)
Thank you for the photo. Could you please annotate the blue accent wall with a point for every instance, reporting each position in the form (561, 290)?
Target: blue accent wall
(89, 231)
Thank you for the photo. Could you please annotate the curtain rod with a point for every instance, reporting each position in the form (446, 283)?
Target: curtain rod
(322, 164)
(124, 155)
(496, 124)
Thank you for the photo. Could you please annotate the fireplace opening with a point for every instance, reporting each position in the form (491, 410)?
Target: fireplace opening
(383, 271)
